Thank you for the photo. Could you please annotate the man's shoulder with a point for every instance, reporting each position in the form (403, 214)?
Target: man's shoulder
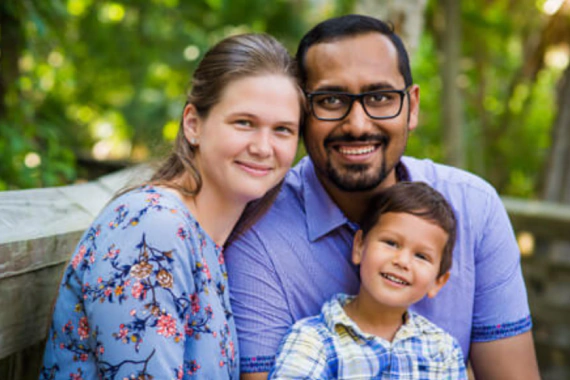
(447, 179)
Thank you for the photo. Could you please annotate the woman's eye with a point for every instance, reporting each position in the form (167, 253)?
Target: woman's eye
(243, 122)
(285, 130)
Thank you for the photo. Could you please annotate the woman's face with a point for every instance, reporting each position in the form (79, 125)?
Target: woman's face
(249, 139)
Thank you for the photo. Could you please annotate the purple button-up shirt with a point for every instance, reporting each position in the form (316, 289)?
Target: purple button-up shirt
(299, 254)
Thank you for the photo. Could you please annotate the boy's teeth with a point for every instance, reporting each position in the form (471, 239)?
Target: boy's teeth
(356, 150)
(395, 279)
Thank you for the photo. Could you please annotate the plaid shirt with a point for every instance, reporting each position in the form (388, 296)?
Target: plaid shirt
(331, 346)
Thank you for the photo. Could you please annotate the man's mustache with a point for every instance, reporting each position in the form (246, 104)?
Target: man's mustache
(366, 138)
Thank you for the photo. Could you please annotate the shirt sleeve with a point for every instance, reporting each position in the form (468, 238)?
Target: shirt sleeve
(302, 355)
(501, 307)
(139, 301)
(258, 301)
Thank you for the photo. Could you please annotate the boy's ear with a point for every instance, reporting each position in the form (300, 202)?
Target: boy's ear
(357, 246)
(192, 124)
(439, 282)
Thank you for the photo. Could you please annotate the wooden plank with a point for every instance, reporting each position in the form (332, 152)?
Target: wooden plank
(32, 214)
(91, 196)
(23, 365)
(31, 221)
(545, 219)
(21, 257)
(25, 308)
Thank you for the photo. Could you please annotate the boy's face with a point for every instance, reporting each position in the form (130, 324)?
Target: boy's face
(400, 259)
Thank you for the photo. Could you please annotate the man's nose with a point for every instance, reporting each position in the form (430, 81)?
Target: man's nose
(357, 121)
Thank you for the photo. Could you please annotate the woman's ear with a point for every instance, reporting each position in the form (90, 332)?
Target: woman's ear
(357, 246)
(192, 124)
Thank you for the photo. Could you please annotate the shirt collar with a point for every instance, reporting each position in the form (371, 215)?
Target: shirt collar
(334, 315)
(323, 215)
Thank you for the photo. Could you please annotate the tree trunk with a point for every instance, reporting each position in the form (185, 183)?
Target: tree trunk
(452, 115)
(407, 17)
(557, 182)
(11, 41)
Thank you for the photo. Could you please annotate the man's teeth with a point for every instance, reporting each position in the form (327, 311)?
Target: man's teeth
(356, 150)
(395, 279)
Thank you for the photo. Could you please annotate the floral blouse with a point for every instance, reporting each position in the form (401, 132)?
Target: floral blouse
(144, 297)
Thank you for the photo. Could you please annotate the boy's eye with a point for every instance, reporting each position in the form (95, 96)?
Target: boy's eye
(422, 256)
(389, 242)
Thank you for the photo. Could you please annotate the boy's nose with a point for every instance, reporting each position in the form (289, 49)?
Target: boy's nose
(402, 259)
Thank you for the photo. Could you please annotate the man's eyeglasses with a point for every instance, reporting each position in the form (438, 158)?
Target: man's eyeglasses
(379, 104)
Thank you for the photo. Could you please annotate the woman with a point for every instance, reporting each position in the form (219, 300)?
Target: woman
(145, 294)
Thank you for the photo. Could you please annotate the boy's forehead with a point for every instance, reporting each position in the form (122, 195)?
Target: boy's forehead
(395, 218)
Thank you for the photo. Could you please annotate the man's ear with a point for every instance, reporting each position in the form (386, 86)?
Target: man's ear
(357, 246)
(192, 124)
(439, 282)
(414, 96)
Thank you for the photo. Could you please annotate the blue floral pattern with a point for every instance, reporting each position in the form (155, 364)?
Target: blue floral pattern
(143, 297)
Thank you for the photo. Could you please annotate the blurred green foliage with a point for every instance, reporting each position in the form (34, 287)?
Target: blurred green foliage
(508, 114)
(108, 79)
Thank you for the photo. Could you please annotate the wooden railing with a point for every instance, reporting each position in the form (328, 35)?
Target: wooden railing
(547, 278)
(38, 232)
(39, 229)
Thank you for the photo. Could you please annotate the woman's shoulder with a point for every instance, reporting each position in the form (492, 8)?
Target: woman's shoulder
(148, 215)
(146, 204)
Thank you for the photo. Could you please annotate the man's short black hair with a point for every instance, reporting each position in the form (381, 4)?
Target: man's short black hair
(347, 26)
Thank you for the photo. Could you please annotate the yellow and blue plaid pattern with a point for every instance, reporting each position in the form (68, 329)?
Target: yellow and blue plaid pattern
(331, 346)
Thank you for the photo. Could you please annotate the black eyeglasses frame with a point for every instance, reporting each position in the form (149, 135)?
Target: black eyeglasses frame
(359, 97)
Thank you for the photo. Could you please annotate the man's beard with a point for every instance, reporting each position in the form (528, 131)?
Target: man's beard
(353, 178)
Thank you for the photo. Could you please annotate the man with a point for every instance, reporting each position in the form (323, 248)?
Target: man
(363, 104)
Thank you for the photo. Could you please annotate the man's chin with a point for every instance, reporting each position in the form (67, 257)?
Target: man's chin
(356, 183)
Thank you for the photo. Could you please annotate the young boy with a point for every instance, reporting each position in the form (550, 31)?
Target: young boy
(404, 249)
